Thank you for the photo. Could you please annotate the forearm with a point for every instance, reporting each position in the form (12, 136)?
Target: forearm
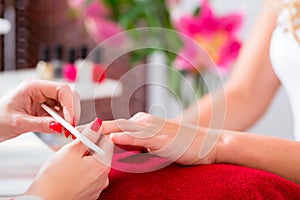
(223, 110)
(250, 87)
(279, 156)
(220, 110)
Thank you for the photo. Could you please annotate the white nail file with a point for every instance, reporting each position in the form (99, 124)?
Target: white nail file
(73, 130)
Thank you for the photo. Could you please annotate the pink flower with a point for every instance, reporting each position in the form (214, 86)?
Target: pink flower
(76, 4)
(216, 35)
(101, 29)
(95, 17)
(96, 9)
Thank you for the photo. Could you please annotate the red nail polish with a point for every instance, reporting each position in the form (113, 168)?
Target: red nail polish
(73, 122)
(96, 125)
(73, 137)
(67, 133)
(57, 127)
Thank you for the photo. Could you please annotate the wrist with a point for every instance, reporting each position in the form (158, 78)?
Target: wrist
(225, 144)
(210, 145)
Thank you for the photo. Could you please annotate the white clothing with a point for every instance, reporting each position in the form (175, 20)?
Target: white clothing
(285, 58)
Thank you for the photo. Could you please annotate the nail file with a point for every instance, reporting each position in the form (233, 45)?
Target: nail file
(73, 130)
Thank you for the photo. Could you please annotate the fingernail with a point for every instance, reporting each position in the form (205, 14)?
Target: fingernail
(96, 125)
(73, 137)
(67, 133)
(56, 127)
(74, 122)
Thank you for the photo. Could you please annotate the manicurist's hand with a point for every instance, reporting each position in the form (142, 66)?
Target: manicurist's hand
(185, 144)
(74, 172)
(21, 108)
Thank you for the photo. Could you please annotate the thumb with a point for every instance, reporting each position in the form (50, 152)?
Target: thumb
(78, 147)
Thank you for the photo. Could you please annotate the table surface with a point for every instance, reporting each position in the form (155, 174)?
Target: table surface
(87, 90)
(21, 159)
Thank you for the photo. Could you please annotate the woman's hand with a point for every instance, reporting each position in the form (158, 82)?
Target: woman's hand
(185, 144)
(21, 108)
(73, 173)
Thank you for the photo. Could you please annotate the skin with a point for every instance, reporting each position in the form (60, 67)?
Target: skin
(249, 90)
(272, 154)
(21, 110)
(252, 84)
(58, 178)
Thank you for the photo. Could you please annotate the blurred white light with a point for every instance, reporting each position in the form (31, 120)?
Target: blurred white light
(5, 26)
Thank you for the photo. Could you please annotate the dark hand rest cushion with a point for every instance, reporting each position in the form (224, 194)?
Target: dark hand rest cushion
(173, 181)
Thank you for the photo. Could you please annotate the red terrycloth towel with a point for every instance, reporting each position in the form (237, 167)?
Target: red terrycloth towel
(217, 181)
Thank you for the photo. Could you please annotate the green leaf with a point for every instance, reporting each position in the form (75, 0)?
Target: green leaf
(72, 14)
(130, 18)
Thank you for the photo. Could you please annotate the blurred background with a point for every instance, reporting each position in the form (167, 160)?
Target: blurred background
(78, 24)
(55, 39)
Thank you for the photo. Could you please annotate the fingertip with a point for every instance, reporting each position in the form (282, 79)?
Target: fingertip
(120, 138)
(67, 133)
(112, 137)
(96, 125)
(55, 127)
(74, 137)
(108, 127)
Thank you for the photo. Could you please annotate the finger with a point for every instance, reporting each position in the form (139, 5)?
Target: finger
(78, 147)
(107, 146)
(81, 127)
(77, 107)
(92, 132)
(59, 92)
(69, 104)
(40, 124)
(128, 139)
(142, 117)
(121, 125)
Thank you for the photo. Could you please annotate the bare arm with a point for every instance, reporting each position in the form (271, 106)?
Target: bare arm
(251, 86)
(192, 145)
(276, 155)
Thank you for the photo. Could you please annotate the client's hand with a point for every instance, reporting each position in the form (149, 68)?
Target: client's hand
(21, 108)
(73, 173)
(185, 144)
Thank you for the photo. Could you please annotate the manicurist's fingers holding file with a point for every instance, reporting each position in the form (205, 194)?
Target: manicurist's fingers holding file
(78, 161)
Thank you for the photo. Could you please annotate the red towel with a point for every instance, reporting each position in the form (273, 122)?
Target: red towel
(217, 181)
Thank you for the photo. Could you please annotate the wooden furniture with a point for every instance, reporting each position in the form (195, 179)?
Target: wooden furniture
(2, 37)
(46, 22)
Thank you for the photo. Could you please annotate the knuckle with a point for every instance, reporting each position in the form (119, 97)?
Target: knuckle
(106, 182)
(102, 170)
(140, 114)
(121, 123)
(76, 94)
(63, 87)
(30, 81)
(17, 122)
(40, 125)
